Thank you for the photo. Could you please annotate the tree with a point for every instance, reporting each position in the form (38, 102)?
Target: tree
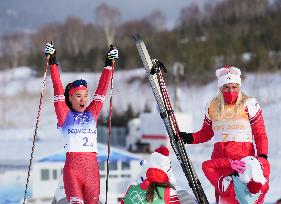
(238, 9)
(157, 19)
(190, 20)
(108, 18)
(146, 109)
(72, 33)
(13, 46)
(129, 114)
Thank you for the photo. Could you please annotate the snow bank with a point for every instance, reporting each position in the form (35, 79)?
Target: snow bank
(19, 105)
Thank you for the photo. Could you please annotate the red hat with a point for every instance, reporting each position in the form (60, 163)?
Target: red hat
(158, 165)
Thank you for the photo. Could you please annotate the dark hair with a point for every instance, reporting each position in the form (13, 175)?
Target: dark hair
(66, 95)
(153, 187)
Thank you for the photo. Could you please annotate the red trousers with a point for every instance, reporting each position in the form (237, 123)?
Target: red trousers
(81, 178)
(216, 169)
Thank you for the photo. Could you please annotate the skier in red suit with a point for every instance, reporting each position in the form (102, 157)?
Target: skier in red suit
(236, 122)
(77, 122)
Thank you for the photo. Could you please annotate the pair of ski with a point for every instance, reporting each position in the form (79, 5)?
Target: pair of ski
(154, 70)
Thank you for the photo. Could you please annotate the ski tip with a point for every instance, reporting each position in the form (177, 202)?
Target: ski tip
(137, 37)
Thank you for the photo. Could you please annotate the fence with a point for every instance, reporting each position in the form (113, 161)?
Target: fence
(118, 136)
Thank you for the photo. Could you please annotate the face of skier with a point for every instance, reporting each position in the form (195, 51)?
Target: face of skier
(79, 100)
(230, 92)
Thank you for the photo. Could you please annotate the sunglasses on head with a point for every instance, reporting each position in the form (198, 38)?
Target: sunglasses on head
(77, 83)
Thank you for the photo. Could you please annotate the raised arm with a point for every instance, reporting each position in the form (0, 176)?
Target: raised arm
(59, 100)
(99, 96)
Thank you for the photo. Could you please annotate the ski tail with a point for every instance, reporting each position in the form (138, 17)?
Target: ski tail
(156, 80)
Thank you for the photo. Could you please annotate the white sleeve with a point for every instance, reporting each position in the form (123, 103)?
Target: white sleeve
(253, 107)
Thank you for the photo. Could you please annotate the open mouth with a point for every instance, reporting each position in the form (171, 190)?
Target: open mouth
(82, 105)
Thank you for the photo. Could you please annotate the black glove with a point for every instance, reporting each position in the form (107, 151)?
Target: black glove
(263, 156)
(186, 137)
(157, 66)
(235, 174)
(51, 51)
(111, 55)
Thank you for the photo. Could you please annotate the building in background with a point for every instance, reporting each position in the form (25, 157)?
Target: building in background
(47, 182)
(148, 132)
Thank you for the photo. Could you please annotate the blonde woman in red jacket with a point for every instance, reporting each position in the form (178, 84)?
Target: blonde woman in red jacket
(235, 121)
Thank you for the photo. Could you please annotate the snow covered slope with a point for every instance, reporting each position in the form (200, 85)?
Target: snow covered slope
(19, 100)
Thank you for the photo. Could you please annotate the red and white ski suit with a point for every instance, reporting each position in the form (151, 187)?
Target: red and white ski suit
(235, 131)
(81, 172)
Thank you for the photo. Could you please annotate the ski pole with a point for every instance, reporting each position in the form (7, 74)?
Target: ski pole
(109, 128)
(37, 124)
(156, 80)
(194, 182)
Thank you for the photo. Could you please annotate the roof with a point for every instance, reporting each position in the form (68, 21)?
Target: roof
(115, 155)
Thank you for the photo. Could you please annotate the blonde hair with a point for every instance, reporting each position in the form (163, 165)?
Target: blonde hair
(240, 102)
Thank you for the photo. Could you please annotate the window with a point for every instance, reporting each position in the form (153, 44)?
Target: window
(45, 174)
(101, 165)
(113, 165)
(55, 174)
(125, 175)
(125, 165)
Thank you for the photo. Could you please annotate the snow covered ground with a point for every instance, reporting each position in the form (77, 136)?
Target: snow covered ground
(19, 100)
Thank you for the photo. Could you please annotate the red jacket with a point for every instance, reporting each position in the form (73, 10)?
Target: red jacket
(225, 127)
(232, 149)
(95, 106)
